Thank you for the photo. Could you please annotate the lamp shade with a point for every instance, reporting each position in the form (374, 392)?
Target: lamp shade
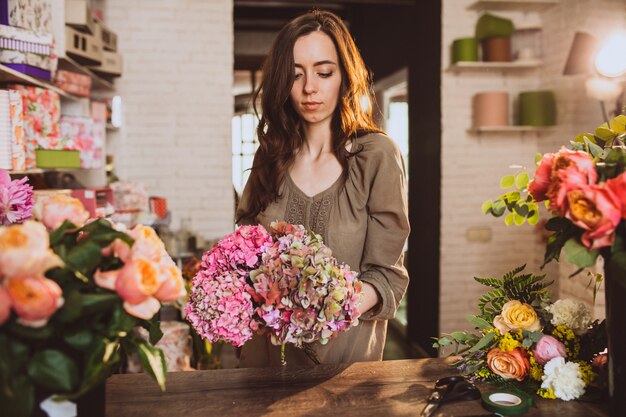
(580, 57)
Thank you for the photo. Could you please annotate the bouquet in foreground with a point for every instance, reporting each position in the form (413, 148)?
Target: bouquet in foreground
(285, 284)
(71, 292)
(552, 349)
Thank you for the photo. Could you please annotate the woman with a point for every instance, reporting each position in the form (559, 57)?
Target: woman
(323, 163)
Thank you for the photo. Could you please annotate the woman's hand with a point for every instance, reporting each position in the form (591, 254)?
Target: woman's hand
(370, 298)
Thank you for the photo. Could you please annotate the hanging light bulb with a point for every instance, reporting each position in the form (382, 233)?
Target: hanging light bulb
(611, 60)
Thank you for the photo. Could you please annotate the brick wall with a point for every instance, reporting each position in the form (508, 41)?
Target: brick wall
(472, 164)
(178, 104)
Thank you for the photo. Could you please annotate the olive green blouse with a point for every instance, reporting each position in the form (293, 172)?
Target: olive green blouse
(365, 223)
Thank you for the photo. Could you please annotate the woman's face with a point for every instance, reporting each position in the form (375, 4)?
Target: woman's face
(315, 90)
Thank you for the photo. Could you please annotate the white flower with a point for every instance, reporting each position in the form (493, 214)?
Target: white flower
(563, 378)
(571, 313)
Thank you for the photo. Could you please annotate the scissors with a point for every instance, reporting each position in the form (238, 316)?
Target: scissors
(449, 389)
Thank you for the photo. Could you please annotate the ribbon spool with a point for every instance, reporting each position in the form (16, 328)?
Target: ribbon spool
(505, 403)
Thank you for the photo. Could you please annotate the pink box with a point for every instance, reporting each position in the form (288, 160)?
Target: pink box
(73, 82)
(42, 110)
(86, 136)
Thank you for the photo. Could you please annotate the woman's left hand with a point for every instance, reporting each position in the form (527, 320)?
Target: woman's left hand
(370, 298)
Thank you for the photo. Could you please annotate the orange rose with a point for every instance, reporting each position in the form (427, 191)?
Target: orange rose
(509, 365)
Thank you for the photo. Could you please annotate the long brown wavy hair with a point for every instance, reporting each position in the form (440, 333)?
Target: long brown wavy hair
(280, 129)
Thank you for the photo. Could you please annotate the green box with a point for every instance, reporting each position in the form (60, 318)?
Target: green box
(464, 49)
(490, 26)
(49, 158)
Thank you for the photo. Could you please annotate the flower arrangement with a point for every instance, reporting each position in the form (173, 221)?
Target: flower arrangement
(71, 292)
(551, 349)
(585, 189)
(286, 284)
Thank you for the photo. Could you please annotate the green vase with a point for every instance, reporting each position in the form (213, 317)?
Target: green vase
(465, 49)
(537, 108)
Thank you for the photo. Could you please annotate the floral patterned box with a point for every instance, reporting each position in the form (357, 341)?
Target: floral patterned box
(42, 111)
(73, 82)
(35, 15)
(85, 136)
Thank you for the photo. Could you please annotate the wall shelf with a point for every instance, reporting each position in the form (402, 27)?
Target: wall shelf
(510, 129)
(514, 65)
(512, 5)
(9, 75)
(111, 127)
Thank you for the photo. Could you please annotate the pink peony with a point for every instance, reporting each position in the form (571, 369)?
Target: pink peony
(16, 199)
(25, 250)
(548, 348)
(147, 245)
(618, 186)
(34, 299)
(60, 207)
(5, 305)
(144, 310)
(595, 209)
(538, 187)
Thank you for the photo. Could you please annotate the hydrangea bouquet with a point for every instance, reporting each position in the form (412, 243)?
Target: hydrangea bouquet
(286, 284)
(71, 291)
(551, 349)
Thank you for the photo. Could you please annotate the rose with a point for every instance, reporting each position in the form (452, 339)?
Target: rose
(517, 316)
(509, 365)
(60, 207)
(5, 305)
(595, 209)
(548, 348)
(25, 251)
(549, 180)
(34, 299)
(618, 186)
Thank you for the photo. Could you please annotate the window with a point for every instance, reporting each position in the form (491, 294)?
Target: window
(245, 144)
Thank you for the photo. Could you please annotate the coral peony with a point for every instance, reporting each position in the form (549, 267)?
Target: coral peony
(60, 207)
(596, 209)
(34, 299)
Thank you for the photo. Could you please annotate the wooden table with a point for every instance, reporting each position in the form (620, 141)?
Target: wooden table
(388, 388)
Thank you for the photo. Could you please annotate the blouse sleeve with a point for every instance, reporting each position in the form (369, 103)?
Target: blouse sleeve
(382, 263)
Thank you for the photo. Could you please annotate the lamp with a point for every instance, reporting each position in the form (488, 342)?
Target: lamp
(605, 64)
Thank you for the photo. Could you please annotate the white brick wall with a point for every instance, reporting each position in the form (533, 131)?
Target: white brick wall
(176, 91)
(473, 164)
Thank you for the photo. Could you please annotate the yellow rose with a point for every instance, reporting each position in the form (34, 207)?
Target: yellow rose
(517, 316)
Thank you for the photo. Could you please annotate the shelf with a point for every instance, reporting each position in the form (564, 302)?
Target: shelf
(510, 129)
(527, 28)
(514, 65)
(112, 128)
(9, 75)
(99, 83)
(512, 5)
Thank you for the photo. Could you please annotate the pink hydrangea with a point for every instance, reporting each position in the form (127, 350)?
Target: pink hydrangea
(304, 294)
(16, 199)
(220, 306)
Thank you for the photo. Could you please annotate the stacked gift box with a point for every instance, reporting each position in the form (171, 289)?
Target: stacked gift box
(73, 83)
(26, 42)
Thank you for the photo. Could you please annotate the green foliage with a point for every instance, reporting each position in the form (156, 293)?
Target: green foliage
(517, 202)
(514, 285)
